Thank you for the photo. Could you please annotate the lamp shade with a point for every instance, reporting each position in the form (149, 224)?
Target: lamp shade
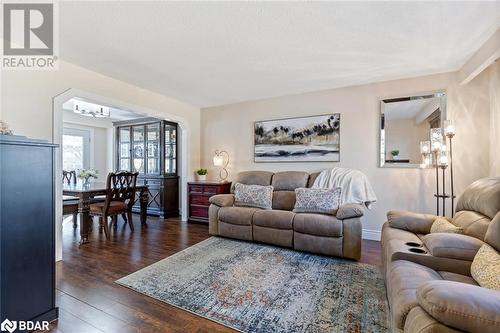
(425, 147)
(443, 159)
(449, 128)
(218, 160)
(436, 139)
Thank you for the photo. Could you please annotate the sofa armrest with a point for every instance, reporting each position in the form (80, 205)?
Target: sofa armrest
(409, 221)
(222, 200)
(462, 306)
(351, 210)
(453, 246)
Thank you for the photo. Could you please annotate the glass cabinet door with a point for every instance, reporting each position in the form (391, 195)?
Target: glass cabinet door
(153, 151)
(170, 149)
(124, 148)
(138, 148)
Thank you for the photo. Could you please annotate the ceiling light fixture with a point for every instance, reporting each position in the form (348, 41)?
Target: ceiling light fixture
(91, 110)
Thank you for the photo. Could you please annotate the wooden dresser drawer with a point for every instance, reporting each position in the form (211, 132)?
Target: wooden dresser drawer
(209, 190)
(199, 211)
(199, 200)
(195, 189)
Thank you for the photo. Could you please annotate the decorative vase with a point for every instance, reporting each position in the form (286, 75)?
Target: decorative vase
(86, 181)
(201, 177)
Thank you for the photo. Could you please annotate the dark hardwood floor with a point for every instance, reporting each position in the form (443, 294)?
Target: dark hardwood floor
(89, 300)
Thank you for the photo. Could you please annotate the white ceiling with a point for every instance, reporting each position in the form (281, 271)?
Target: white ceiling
(214, 53)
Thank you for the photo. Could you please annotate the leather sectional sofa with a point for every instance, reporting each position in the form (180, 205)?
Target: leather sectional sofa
(334, 235)
(428, 275)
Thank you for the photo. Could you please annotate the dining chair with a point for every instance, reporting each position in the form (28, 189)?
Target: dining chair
(70, 204)
(120, 195)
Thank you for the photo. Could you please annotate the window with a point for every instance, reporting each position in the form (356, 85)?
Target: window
(76, 149)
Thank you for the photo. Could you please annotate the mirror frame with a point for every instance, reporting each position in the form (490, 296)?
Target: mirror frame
(438, 93)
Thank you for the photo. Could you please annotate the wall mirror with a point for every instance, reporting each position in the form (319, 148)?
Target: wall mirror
(404, 123)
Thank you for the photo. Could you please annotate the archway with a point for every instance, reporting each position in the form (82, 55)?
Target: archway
(57, 129)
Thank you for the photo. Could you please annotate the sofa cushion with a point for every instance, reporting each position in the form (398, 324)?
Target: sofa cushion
(485, 268)
(317, 200)
(312, 178)
(462, 306)
(284, 200)
(409, 221)
(253, 178)
(278, 219)
(482, 196)
(253, 196)
(449, 276)
(237, 215)
(474, 224)
(289, 180)
(317, 224)
(453, 246)
(442, 225)
(404, 277)
(492, 236)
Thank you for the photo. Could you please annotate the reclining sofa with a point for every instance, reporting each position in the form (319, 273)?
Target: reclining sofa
(333, 235)
(428, 275)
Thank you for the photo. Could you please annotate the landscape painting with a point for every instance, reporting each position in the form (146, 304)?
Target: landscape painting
(305, 139)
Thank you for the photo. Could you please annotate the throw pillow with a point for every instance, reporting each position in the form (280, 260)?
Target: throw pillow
(253, 196)
(485, 268)
(441, 224)
(317, 200)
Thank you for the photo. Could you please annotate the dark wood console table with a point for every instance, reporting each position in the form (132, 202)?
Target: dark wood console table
(198, 194)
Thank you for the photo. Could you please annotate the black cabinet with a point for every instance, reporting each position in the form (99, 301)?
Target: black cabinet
(27, 230)
(149, 146)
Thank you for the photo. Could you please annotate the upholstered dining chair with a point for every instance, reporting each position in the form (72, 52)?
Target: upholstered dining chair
(120, 188)
(70, 204)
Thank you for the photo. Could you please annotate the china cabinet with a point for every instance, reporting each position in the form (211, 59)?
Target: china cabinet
(149, 146)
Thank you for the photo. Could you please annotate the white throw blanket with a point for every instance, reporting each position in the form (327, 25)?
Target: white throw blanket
(354, 185)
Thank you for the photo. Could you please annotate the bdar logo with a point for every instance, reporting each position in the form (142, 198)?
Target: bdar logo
(8, 325)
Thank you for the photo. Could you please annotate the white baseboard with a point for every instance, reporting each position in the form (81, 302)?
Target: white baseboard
(371, 234)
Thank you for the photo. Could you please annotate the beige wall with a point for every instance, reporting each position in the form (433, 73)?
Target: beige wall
(26, 101)
(230, 128)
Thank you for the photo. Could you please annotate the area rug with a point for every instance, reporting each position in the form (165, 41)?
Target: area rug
(260, 288)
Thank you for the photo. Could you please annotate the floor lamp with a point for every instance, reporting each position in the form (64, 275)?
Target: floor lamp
(442, 156)
(449, 132)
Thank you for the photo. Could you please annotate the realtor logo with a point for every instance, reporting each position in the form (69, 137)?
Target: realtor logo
(8, 325)
(29, 32)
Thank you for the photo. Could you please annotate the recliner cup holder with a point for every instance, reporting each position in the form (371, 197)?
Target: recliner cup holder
(417, 250)
(413, 244)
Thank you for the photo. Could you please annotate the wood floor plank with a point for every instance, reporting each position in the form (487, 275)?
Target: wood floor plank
(89, 300)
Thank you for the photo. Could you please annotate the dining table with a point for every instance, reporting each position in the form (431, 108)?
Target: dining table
(87, 193)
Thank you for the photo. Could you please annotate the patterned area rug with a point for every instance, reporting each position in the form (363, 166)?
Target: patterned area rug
(260, 288)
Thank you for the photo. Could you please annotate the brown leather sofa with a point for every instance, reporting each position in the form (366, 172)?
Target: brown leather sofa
(334, 235)
(428, 279)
